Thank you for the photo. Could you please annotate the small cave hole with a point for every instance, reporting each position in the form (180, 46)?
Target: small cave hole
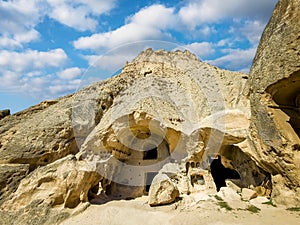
(197, 179)
(220, 173)
(93, 192)
(150, 154)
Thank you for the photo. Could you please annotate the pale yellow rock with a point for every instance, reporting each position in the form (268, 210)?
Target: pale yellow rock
(248, 194)
(232, 198)
(183, 111)
(162, 191)
(65, 182)
(274, 83)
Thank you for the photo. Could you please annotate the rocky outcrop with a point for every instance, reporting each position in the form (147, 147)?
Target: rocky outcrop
(39, 135)
(173, 103)
(65, 183)
(164, 107)
(166, 113)
(274, 83)
(4, 113)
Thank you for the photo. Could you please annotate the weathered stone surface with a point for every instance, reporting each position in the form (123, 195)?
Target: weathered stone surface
(162, 191)
(171, 170)
(164, 109)
(232, 198)
(149, 112)
(52, 190)
(248, 194)
(65, 182)
(233, 186)
(274, 84)
(10, 176)
(38, 135)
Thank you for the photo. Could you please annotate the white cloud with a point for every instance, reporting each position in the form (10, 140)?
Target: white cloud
(19, 18)
(252, 30)
(201, 49)
(19, 15)
(27, 37)
(198, 12)
(9, 79)
(31, 59)
(70, 73)
(9, 43)
(17, 22)
(148, 23)
(26, 72)
(79, 14)
(235, 59)
(73, 17)
(157, 16)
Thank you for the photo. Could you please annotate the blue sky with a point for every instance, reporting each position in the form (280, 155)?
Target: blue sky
(49, 48)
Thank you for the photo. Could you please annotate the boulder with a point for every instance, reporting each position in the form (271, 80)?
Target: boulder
(233, 186)
(4, 113)
(232, 198)
(162, 191)
(248, 194)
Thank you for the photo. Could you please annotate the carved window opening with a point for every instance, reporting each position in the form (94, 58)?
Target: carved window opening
(150, 154)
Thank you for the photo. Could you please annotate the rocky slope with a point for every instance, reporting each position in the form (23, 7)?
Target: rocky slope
(163, 118)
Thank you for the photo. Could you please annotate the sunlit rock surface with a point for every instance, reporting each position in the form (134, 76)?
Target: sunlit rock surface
(166, 115)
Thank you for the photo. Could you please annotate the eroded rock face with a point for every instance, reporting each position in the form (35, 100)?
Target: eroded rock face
(274, 94)
(167, 112)
(64, 183)
(10, 177)
(39, 135)
(174, 108)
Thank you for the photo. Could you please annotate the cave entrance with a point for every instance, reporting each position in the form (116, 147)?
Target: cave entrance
(148, 180)
(286, 94)
(220, 173)
(234, 164)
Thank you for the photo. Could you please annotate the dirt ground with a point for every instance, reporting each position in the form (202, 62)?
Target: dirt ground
(208, 212)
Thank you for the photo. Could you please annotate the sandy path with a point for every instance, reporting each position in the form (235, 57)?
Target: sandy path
(137, 212)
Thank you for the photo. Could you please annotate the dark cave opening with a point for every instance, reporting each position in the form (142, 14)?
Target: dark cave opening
(150, 154)
(220, 173)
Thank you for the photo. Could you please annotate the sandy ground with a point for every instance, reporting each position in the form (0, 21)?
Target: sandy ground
(138, 212)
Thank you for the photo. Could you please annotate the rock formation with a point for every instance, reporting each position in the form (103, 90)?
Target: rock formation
(4, 113)
(162, 191)
(274, 84)
(164, 118)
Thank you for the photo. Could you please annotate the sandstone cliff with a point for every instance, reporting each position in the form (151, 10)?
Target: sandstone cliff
(164, 117)
(274, 93)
